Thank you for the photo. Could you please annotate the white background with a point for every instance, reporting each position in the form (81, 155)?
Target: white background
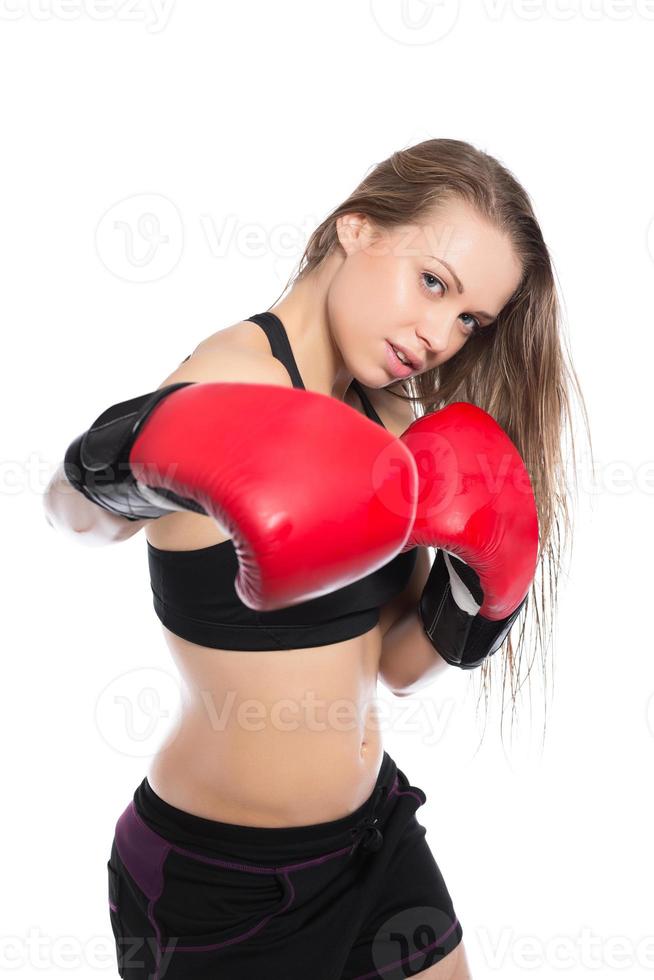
(238, 127)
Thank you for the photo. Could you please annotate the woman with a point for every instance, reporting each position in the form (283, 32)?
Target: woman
(284, 843)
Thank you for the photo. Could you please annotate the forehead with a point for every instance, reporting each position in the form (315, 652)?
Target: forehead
(455, 228)
(481, 256)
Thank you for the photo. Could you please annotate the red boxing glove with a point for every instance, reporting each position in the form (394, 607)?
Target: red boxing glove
(476, 502)
(298, 479)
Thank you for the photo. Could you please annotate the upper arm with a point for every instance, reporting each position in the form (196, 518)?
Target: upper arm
(409, 597)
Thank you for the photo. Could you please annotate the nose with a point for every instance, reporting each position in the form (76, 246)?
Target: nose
(435, 334)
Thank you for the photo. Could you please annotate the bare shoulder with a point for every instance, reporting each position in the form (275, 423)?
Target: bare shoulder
(226, 356)
(244, 334)
(233, 354)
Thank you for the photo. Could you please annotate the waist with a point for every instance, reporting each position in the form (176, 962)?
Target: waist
(272, 738)
(347, 669)
(255, 779)
(187, 829)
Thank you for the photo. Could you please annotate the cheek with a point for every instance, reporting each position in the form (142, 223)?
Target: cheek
(358, 297)
(405, 296)
(454, 347)
(383, 295)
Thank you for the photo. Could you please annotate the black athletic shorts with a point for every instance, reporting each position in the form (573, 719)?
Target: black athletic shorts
(353, 898)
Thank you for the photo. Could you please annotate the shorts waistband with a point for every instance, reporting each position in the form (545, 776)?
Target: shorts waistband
(187, 829)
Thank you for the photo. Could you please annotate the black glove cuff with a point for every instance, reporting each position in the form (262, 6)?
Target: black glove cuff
(461, 639)
(97, 462)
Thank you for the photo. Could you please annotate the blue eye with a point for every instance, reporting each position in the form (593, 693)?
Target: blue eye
(429, 275)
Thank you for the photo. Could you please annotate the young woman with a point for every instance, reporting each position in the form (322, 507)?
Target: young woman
(273, 835)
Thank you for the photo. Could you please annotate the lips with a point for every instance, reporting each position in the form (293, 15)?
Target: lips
(395, 365)
(414, 361)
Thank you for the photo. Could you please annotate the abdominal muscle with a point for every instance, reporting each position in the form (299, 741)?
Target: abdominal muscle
(270, 738)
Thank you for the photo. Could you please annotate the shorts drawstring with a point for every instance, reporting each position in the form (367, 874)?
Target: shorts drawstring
(366, 834)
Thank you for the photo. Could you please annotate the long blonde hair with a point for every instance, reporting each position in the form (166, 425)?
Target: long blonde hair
(517, 369)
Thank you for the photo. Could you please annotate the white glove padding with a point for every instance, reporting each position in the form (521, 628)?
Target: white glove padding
(460, 592)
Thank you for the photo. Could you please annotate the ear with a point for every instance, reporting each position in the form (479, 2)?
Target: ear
(354, 232)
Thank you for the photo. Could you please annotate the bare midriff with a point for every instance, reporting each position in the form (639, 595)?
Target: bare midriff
(271, 738)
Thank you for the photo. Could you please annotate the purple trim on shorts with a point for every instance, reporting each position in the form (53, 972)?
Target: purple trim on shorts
(407, 792)
(391, 966)
(159, 845)
(258, 869)
(144, 852)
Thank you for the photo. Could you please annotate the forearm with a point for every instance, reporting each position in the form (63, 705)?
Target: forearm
(69, 511)
(408, 660)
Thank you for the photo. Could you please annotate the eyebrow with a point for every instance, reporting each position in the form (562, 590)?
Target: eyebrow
(459, 285)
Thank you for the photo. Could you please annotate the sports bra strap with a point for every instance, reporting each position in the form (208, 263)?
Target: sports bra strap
(365, 401)
(281, 349)
(279, 344)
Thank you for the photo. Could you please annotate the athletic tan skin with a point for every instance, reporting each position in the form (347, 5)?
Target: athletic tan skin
(280, 762)
(283, 738)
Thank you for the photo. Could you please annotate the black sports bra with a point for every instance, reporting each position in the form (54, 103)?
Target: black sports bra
(194, 595)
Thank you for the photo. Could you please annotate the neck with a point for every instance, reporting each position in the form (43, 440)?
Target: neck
(304, 315)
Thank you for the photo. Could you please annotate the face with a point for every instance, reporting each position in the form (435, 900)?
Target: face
(426, 288)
